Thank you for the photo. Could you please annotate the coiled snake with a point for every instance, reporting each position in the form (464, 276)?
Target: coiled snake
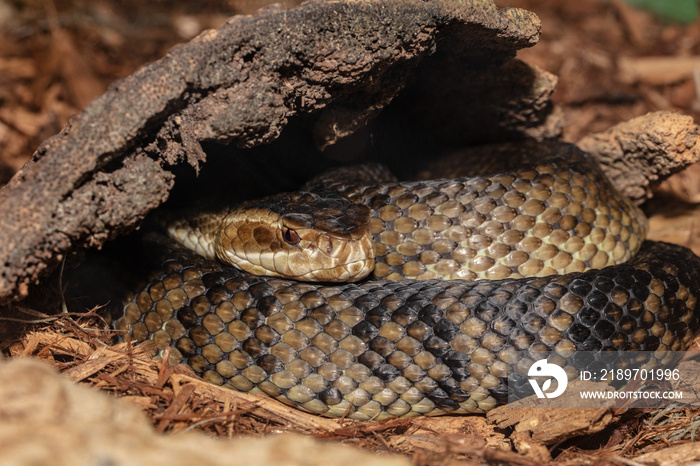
(408, 343)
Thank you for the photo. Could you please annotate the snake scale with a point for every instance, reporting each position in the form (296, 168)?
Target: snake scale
(407, 343)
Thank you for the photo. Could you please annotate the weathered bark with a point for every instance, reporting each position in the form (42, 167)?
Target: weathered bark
(639, 154)
(239, 84)
(552, 425)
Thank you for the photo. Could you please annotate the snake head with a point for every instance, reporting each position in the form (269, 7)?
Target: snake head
(303, 236)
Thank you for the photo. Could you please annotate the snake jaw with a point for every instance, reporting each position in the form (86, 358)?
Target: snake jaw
(332, 245)
(321, 258)
(333, 259)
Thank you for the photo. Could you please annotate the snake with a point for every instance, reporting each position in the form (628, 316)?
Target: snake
(472, 276)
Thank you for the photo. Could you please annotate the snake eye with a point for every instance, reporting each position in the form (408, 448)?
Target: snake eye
(290, 236)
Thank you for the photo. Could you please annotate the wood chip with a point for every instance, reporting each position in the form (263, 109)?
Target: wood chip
(688, 453)
(657, 70)
(552, 425)
(265, 407)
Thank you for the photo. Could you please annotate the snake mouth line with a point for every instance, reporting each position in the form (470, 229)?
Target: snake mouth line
(265, 265)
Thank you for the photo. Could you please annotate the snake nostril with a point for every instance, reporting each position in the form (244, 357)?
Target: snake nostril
(290, 236)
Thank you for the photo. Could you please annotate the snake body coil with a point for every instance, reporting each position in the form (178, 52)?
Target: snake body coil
(404, 348)
(555, 215)
(387, 348)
